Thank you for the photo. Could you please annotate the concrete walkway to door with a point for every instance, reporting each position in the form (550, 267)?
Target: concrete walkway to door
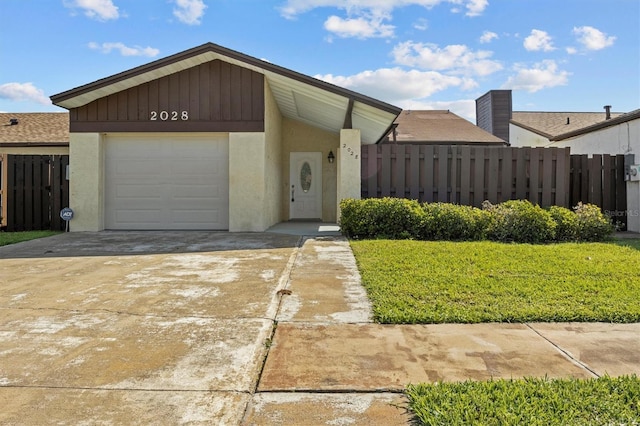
(330, 364)
(252, 329)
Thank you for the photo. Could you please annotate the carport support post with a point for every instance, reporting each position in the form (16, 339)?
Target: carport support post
(348, 163)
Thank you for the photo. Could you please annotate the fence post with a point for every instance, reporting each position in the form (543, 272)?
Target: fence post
(633, 198)
(3, 190)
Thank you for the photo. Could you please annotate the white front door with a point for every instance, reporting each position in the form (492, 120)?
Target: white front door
(305, 188)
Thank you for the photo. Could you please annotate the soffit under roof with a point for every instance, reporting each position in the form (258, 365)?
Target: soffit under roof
(299, 97)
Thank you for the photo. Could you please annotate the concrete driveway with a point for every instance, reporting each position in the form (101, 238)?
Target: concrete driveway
(133, 327)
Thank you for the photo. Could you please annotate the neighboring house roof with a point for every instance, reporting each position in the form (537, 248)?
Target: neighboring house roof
(623, 118)
(439, 127)
(34, 129)
(298, 96)
(552, 124)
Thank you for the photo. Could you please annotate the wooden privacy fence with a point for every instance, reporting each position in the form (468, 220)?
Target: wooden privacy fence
(469, 175)
(465, 174)
(34, 190)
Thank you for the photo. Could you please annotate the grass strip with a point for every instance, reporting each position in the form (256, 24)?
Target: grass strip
(7, 238)
(472, 282)
(530, 401)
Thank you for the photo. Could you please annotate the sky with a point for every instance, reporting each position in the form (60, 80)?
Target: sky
(555, 55)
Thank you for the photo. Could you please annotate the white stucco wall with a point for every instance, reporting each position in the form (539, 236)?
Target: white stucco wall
(633, 206)
(247, 175)
(623, 138)
(519, 137)
(300, 137)
(86, 181)
(349, 167)
(273, 166)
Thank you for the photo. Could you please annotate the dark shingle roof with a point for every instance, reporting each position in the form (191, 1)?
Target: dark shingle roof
(439, 127)
(35, 129)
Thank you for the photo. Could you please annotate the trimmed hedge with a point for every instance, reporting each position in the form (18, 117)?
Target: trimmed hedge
(517, 221)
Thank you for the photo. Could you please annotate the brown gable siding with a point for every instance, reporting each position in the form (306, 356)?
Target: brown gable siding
(216, 96)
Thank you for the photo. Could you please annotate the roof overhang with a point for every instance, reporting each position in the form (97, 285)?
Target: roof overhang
(299, 97)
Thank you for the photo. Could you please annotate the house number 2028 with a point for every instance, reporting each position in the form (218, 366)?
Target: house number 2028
(169, 115)
(350, 151)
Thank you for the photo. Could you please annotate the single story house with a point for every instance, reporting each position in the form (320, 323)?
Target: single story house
(438, 127)
(603, 132)
(211, 138)
(29, 134)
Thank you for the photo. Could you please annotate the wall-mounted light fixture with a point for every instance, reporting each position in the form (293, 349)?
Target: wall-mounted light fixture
(331, 157)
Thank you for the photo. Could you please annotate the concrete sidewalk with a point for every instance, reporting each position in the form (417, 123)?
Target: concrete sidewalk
(329, 364)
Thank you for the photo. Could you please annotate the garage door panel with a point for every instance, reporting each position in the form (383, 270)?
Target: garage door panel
(191, 216)
(138, 216)
(143, 167)
(137, 191)
(166, 182)
(196, 191)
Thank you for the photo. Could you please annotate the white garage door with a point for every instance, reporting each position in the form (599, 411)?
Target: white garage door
(167, 182)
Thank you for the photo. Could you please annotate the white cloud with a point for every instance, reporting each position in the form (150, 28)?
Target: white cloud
(125, 50)
(102, 10)
(456, 58)
(421, 24)
(189, 12)
(488, 37)
(363, 8)
(543, 75)
(396, 84)
(538, 40)
(359, 27)
(23, 92)
(592, 38)
(476, 7)
(571, 50)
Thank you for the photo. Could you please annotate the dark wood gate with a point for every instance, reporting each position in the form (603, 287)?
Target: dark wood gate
(35, 191)
(600, 180)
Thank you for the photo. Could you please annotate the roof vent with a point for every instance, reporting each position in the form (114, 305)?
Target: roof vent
(568, 120)
(607, 109)
(13, 121)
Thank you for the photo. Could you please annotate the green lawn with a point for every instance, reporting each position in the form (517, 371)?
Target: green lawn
(469, 282)
(17, 237)
(532, 402)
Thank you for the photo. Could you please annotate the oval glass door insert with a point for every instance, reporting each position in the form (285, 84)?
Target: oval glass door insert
(305, 177)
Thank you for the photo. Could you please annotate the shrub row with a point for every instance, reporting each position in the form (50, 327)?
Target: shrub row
(512, 221)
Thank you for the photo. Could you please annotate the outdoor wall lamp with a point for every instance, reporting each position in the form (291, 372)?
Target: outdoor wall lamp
(331, 157)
